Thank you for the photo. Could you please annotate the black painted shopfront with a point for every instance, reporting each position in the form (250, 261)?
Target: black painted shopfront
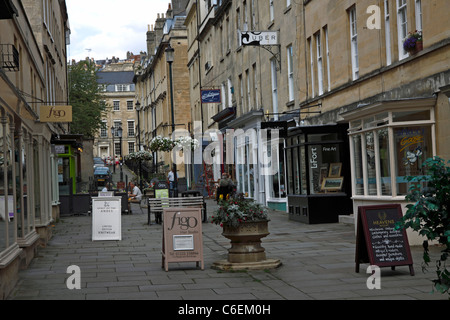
(318, 173)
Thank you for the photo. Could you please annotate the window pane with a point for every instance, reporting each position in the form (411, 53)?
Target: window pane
(371, 167)
(359, 182)
(412, 147)
(289, 171)
(321, 158)
(385, 169)
(411, 116)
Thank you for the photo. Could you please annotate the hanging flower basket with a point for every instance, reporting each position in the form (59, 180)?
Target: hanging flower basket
(161, 144)
(413, 43)
(139, 155)
(187, 142)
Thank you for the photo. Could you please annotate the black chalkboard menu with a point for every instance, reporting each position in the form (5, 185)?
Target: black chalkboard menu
(377, 240)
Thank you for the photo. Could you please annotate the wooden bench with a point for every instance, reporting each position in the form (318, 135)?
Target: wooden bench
(157, 205)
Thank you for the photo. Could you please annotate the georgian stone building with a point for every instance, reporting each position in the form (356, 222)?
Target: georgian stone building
(153, 84)
(33, 39)
(339, 82)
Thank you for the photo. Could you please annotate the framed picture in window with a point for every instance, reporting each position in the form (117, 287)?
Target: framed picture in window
(335, 170)
(332, 184)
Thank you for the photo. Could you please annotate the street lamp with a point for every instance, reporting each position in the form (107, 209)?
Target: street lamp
(119, 134)
(169, 59)
(113, 147)
(138, 109)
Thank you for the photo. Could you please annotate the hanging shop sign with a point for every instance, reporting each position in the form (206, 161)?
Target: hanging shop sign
(182, 236)
(211, 96)
(377, 240)
(56, 114)
(258, 38)
(106, 218)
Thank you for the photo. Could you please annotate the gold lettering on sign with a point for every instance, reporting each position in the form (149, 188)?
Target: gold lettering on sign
(56, 114)
(409, 141)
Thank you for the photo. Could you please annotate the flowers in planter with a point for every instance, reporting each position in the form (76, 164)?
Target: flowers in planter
(234, 211)
(139, 155)
(161, 144)
(410, 43)
(187, 142)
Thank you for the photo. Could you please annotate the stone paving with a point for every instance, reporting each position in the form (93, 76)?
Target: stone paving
(317, 264)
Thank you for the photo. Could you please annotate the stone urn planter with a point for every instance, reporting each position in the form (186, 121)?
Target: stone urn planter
(246, 250)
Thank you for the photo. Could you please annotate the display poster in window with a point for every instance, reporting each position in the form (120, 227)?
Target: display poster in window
(410, 145)
(377, 240)
(182, 236)
(106, 218)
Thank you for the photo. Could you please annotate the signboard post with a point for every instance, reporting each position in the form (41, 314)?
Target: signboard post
(182, 236)
(106, 218)
(377, 240)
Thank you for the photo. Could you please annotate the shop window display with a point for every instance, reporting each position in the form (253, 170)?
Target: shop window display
(386, 149)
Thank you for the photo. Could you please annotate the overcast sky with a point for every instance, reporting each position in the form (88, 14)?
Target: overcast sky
(102, 29)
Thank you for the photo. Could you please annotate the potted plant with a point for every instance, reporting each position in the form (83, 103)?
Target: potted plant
(244, 223)
(429, 214)
(139, 155)
(413, 42)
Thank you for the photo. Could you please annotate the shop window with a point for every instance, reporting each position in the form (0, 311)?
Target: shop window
(379, 143)
(412, 146)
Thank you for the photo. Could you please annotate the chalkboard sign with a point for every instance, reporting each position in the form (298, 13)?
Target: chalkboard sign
(377, 240)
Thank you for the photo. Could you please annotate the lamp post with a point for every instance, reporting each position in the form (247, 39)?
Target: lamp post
(138, 109)
(113, 147)
(119, 133)
(169, 59)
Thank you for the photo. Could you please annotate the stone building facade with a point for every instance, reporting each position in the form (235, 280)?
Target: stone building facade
(33, 58)
(153, 81)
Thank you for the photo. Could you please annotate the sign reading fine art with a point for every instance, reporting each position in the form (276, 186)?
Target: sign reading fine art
(182, 236)
(106, 218)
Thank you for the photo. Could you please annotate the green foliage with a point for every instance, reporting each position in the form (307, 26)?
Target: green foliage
(232, 212)
(85, 96)
(429, 215)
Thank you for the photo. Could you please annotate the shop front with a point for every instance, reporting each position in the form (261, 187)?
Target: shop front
(318, 173)
(389, 141)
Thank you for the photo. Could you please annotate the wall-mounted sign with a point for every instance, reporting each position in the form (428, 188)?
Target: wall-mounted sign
(56, 114)
(258, 38)
(211, 96)
(182, 236)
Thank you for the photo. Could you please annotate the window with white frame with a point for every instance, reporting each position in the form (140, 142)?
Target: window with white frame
(130, 128)
(328, 58)
(388, 147)
(273, 64)
(116, 105)
(255, 90)
(271, 10)
(130, 105)
(104, 130)
(402, 27)
(419, 15)
(319, 63)
(387, 32)
(354, 43)
(131, 147)
(249, 88)
(122, 87)
(311, 58)
(290, 63)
